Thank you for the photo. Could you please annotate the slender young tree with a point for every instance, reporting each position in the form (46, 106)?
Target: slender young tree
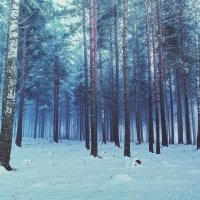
(155, 82)
(149, 80)
(93, 75)
(127, 151)
(9, 90)
(87, 136)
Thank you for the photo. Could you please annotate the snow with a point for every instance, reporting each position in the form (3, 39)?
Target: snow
(63, 171)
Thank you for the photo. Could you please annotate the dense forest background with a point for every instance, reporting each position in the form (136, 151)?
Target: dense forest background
(54, 92)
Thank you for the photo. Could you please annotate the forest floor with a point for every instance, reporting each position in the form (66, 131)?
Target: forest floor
(64, 171)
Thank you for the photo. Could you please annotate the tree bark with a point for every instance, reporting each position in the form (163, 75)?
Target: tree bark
(93, 75)
(179, 109)
(9, 90)
(102, 104)
(36, 119)
(87, 136)
(22, 85)
(117, 143)
(162, 93)
(156, 83)
(127, 151)
(150, 125)
(56, 88)
(171, 107)
(198, 81)
(137, 86)
(187, 116)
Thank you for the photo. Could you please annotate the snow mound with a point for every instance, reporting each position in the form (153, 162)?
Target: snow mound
(132, 163)
(121, 177)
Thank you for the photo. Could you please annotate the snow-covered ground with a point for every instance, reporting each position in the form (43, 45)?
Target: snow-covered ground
(49, 171)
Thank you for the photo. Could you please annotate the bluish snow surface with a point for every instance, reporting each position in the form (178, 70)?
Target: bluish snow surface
(64, 171)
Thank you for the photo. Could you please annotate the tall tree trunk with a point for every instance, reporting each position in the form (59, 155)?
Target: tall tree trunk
(112, 106)
(179, 109)
(56, 88)
(198, 81)
(150, 125)
(127, 151)
(43, 122)
(162, 94)
(117, 143)
(102, 103)
(93, 75)
(9, 90)
(22, 84)
(67, 128)
(137, 112)
(187, 116)
(36, 119)
(171, 107)
(87, 136)
(156, 83)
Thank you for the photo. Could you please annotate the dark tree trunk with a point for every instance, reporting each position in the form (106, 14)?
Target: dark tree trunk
(150, 125)
(43, 123)
(171, 107)
(127, 151)
(156, 83)
(198, 81)
(36, 118)
(137, 86)
(22, 84)
(187, 116)
(56, 88)
(116, 118)
(112, 106)
(67, 119)
(162, 94)
(179, 109)
(87, 136)
(93, 75)
(102, 104)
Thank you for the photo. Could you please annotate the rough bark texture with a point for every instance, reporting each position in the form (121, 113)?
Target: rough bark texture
(9, 91)
(126, 82)
(36, 118)
(179, 109)
(162, 93)
(198, 83)
(102, 104)
(137, 87)
(156, 83)
(112, 106)
(93, 75)
(56, 88)
(117, 143)
(87, 136)
(22, 86)
(187, 116)
(171, 108)
(150, 129)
